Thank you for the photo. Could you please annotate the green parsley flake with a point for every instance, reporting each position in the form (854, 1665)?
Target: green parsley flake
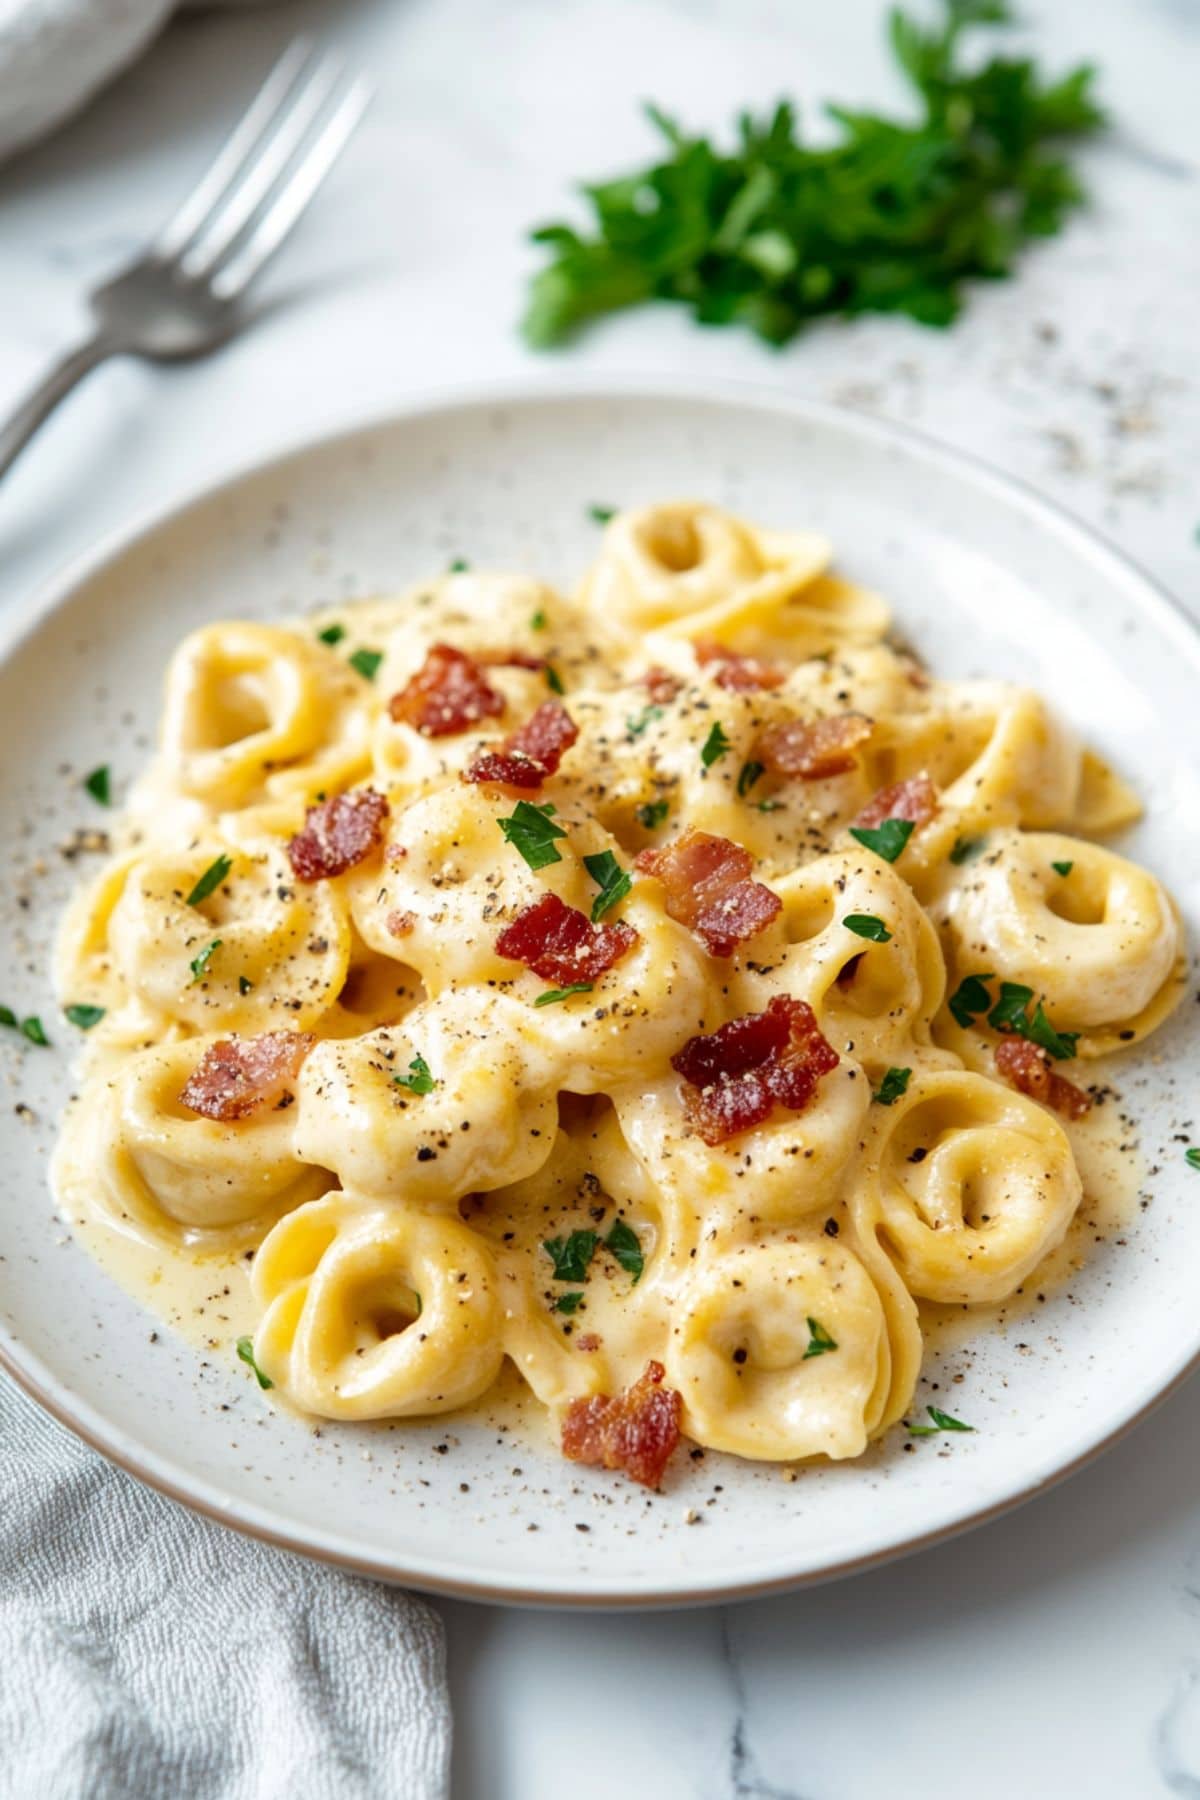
(886, 840)
(970, 998)
(600, 515)
(212, 878)
(571, 1255)
(552, 996)
(366, 662)
(554, 680)
(85, 1017)
(538, 620)
(199, 964)
(716, 745)
(966, 849)
(459, 566)
(894, 1083)
(332, 634)
(866, 925)
(942, 1421)
(418, 1080)
(99, 784)
(622, 1242)
(613, 881)
(8, 1017)
(652, 813)
(1010, 1013)
(819, 1340)
(35, 1031)
(769, 806)
(747, 776)
(531, 832)
(638, 723)
(1192, 1158)
(1062, 868)
(245, 1349)
(567, 1303)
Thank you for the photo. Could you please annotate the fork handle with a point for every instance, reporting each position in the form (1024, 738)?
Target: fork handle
(36, 407)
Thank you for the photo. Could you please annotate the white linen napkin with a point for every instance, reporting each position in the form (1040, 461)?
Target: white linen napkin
(146, 1653)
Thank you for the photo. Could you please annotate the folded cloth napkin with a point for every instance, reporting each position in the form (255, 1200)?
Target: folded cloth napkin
(148, 1654)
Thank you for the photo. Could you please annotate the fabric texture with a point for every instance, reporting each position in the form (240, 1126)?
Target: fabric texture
(148, 1654)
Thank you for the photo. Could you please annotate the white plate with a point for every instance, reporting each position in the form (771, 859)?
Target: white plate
(984, 578)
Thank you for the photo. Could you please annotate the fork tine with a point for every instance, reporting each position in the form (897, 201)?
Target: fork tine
(231, 217)
(250, 129)
(279, 217)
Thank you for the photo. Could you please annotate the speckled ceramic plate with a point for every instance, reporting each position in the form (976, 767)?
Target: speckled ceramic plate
(985, 578)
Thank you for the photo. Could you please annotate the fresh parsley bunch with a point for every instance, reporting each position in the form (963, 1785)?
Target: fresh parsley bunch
(890, 218)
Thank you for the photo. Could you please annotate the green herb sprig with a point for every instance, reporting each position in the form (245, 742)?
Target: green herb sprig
(613, 881)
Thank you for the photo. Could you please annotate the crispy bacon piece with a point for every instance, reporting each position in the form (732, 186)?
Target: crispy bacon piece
(661, 685)
(527, 756)
(400, 924)
(448, 693)
(739, 1073)
(338, 834)
(561, 944)
(915, 799)
(1031, 1071)
(710, 891)
(239, 1076)
(813, 748)
(636, 1431)
(740, 674)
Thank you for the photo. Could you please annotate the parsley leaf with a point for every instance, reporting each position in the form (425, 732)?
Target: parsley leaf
(85, 1017)
(552, 996)
(638, 723)
(245, 1349)
(35, 1031)
(819, 1340)
(8, 1017)
(622, 1242)
(418, 1080)
(538, 620)
(1062, 868)
(571, 1255)
(567, 1303)
(613, 881)
(894, 1083)
(1008, 1014)
(600, 515)
(212, 878)
(866, 925)
(199, 964)
(966, 850)
(99, 784)
(531, 832)
(942, 1421)
(332, 634)
(459, 565)
(970, 998)
(366, 662)
(748, 774)
(554, 680)
(716, 745)
(1192, 1158)
(652, 813)
(886, 840)
(893, 215)
(1060, 1044)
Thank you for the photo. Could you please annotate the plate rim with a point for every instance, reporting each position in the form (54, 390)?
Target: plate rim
(113, 1441)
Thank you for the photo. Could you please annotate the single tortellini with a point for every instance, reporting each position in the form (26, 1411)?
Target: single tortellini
(259, 951)
(1095, 936)
(163, 1173)
(784, 1349)
(374, 1311)
(965, 1185)
(457, 1097)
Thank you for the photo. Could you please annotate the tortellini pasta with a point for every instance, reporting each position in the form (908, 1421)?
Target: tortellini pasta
(668, 986)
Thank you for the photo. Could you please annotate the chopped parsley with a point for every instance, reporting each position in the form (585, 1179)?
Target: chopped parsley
(600, 515)
(769, 805)
(245, 1349)
(866, 925)
(567, 1303)
(8, 1017)
(554, 680)
(652, 813)
(1192, 1158)
(538, 620)
(942, 1421)
(571, 1255)
(1010, 1013)
(459, 565)
(1062, 868)
(894, 1083)
(99, 784)
(419, 1080)
(531, 831)
(639, 721)
(819, 1340)
(85, 1017)
(332, 634)
(886, 840)
(716, 745)
(966, 849)
(748, 774)
(1039, 1030)
(199, 964)
(552, 996)
(622, 1242)
(35, 1031)
(613, 881)
(969, 999)
(367, 663)
(212, 878)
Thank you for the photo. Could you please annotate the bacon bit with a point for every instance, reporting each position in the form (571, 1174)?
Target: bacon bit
(588, 1340)
(740, 674)
(338, 834)
(527, 756)
(636, 1431)
(1030, 1070)
(400, 924)
(513, 659)
(915, 799)
(395, 853)
(661, 685)
(448, 692)
(561, 944)
(740, 1072)
(709, 889)
(239, 1076)
(813, 748)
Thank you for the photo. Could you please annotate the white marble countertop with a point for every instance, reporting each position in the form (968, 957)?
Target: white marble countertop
(1058, 1651)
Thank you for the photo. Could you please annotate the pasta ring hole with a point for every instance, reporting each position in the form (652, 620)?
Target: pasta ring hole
(235, 708)
(673, 542)
(386, 1310)
(1077, 901)
(806, 916)
(376, 987)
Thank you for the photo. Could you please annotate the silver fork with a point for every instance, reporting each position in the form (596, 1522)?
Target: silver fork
(181, 297)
